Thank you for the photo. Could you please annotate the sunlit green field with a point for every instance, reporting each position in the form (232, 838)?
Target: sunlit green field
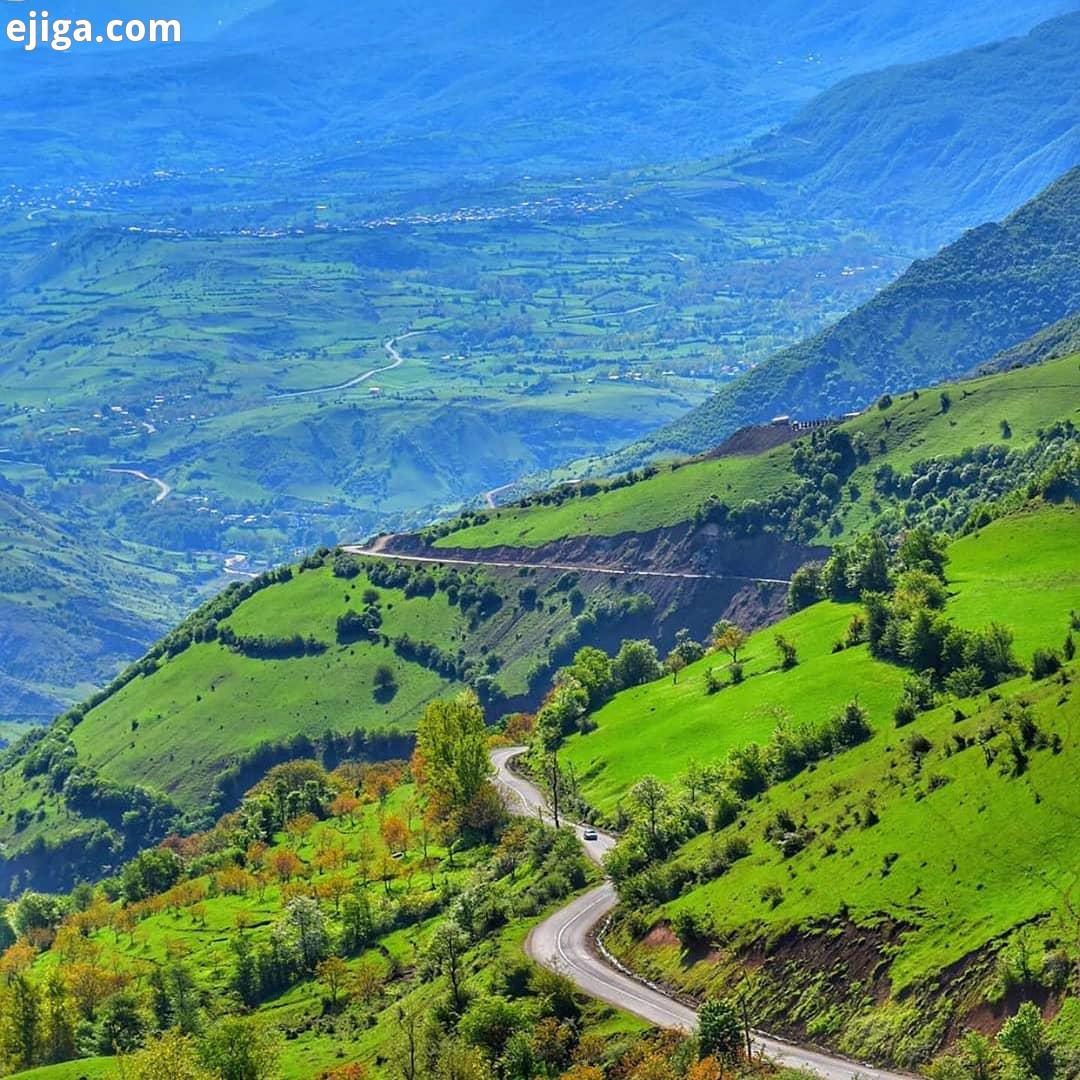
(668, 498)
(1021, 571)
(961, 854)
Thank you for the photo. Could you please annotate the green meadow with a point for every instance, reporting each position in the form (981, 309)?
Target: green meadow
(1021, 571)
(668, 498)
(962, 853)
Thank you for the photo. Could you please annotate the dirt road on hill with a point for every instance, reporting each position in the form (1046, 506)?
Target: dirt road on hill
(377, 550)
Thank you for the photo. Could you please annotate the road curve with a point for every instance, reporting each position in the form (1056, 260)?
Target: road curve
(389, 345)
(375, 551)
(163, 489)
(564, 942)
(489, 496)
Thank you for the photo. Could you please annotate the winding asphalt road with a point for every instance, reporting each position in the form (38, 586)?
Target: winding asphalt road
(565, 942)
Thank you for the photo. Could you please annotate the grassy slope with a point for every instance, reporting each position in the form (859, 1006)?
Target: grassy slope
(1021, 571)
(208, 703)
(203, 940)
(963, 853)
(912, 429)
(668, 498)
(972, 874)
(173, 731)
(666, 725)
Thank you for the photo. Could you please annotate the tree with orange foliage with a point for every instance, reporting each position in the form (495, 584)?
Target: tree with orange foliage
(330, 858)
(71, 944)
(89, 985)
(708, 1068)
(583, 1072)
(298, 827)
(96, 917)
(552, 1043)
(284, 864)
(355, 1070)
(16, 959)
(291, 890)
(346, 805)
(381, 779)
(395, 833)
(590, 1050)
(335, 888)
(234, 881)
(368, 979)
(255, 854)
(332, 973)
(348, 776)
(650, 1058)
(519, 728)
(125, 921)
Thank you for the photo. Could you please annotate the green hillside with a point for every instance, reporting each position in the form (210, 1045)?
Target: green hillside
(1021, 571)
(331, 658)
(1007, 410)
(882, 892)
(926, 909)
(794, 859)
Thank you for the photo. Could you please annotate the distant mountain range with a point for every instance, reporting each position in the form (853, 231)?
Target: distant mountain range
(918, 148)
(458, 89)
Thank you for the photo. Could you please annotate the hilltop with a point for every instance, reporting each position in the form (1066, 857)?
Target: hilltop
(881, 453)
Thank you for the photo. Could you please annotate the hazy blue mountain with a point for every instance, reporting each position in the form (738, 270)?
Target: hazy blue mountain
(459, 88)
(921, 148)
